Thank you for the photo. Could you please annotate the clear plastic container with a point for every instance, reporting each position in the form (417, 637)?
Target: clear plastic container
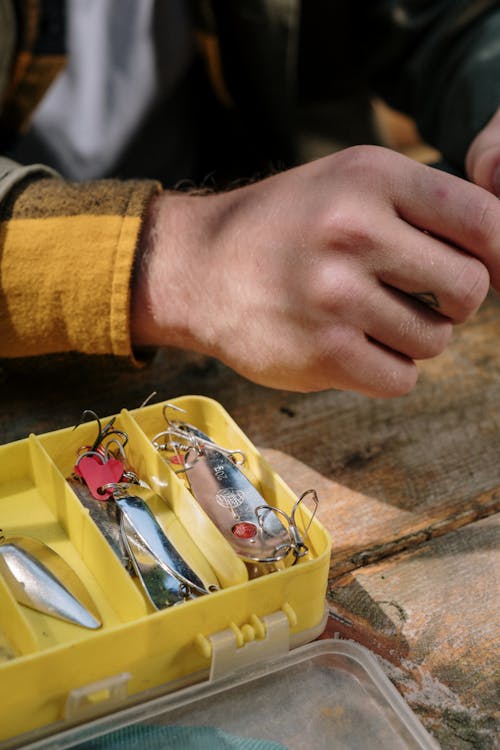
(328, 694)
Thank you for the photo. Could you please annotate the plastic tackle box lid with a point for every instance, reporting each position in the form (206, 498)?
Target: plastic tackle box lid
(327, 694)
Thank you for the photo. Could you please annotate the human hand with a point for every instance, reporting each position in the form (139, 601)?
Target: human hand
(307, 280)
(483, 157)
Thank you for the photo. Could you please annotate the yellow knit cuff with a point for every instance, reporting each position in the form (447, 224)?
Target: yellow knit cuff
(66, 258)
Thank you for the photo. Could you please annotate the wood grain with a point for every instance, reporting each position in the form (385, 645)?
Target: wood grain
(433, 616)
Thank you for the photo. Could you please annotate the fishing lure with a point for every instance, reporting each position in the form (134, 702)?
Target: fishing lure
(165, 575)
(254, 528)
(39, 578)
(114, 496)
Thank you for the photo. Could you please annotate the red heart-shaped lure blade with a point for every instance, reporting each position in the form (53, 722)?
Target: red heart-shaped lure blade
(97, 474)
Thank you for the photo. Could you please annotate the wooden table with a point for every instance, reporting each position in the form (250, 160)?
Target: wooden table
(409, 489)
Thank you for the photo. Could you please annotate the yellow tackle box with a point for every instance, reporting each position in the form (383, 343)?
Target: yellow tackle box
(219, 671)
(54, 674)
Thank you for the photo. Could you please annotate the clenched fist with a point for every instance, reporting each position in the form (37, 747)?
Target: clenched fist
(337, 274)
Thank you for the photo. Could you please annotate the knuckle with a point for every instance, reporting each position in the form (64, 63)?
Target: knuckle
(340, 362)
(337, 345)
(480, 219)
(425, 339)
(337, 290)
(348, 231)
(330, 360)
(365, 158)
(471, 287)
(401, 382)
(436, 341)
(397, 379)
(366, 166)
(338, 353)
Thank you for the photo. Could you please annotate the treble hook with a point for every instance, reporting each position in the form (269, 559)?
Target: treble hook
(300, 500)
(195, 438)
(171, 406)
(128, 473)
(297, 544)
(121, 449)
(118, 434)
(86, 454)
(101, 431)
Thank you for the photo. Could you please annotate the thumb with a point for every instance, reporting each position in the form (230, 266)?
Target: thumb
(483, 157)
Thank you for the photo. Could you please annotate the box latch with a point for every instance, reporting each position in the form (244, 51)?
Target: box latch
(233, 650)
(96, 697)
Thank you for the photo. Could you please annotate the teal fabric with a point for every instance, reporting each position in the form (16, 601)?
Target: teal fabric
(141, 737)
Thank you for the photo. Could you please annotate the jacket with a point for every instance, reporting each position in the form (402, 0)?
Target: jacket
(67, 250)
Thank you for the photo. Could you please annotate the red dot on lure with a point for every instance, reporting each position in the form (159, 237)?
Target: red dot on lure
(244, 530)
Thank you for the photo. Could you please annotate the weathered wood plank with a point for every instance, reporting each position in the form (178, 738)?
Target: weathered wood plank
(433, 616)
(366, 528)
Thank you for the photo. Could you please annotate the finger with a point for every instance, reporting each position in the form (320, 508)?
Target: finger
(454, 210)
(486, 171)
(446, 278)
(405, 325)
(483, 158)
(352, 361)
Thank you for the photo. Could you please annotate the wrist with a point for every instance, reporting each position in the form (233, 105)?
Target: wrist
(169, 275)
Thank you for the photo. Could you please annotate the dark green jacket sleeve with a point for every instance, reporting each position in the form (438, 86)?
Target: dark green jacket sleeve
(441, 64)
(436, 60)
